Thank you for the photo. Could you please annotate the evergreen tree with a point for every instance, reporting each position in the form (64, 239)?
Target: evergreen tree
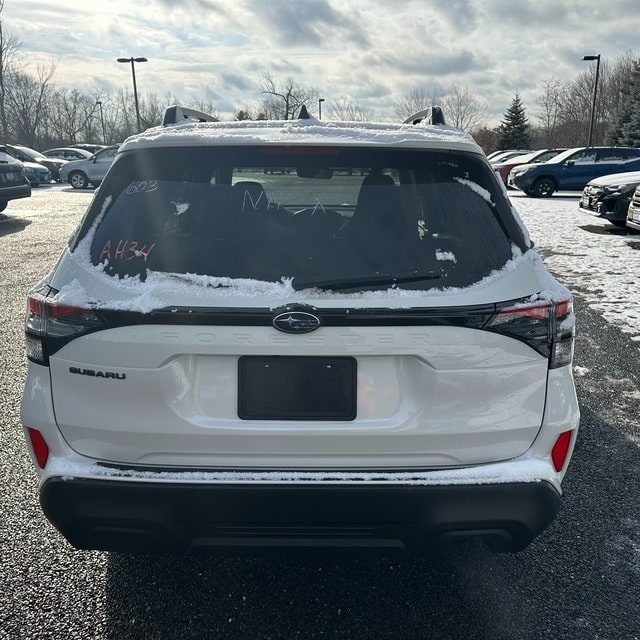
(625, 131)
(514, 130)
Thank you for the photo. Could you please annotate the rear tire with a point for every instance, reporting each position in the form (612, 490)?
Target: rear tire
(78, 180)
(543, 188)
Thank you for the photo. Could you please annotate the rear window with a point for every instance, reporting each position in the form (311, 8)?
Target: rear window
(316, 215)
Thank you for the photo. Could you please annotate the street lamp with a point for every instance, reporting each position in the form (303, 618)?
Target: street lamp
(135, 89)
(320, 101)
(595, 93)
(104, 133)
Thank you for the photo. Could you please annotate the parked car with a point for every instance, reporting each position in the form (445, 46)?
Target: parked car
(68, 153)
(608, 197)
(13, 183)
(633, 213)
(224, 358)
(36, 174)
(542, 155)
(506, 155)
(493, 154)
(91, 148)
(82, 173)
(26, 155)
(572, 169)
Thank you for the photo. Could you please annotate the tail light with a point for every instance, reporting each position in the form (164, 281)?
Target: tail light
(50, 325)
(547, 327)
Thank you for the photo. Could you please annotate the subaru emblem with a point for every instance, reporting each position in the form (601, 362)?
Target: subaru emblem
(296, 322)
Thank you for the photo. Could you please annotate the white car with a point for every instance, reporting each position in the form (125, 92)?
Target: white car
(80, 174)
(229, 357)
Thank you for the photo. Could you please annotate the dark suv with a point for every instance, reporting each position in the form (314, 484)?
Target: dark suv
(13, 183)
(572, 169)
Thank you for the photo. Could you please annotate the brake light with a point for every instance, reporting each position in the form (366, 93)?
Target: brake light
(49, 323)
(547, 327)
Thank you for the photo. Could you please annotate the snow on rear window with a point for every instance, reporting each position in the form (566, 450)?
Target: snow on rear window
(266, 221)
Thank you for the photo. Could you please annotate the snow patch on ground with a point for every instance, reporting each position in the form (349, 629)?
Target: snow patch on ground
(589, 255)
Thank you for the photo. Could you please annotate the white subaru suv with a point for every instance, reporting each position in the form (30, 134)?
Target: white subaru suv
(299, 334)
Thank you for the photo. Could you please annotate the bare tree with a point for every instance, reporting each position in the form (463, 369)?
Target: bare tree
(206, 106)
(123, 115)
(550, 103)
(343, 109)
(71, 116)
(462, 109)
(577, 100)
(151, 110)
(417, 100)
(9, 47)
(28, 102)
(283, 102)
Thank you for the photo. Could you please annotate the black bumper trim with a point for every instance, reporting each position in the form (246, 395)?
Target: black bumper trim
(151, 517)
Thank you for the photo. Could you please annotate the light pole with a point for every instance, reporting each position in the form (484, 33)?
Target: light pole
(320, 101)
(135, 89)
(595, 93)
(104, 133)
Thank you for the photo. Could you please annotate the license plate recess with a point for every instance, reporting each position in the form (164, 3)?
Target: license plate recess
(297, 388)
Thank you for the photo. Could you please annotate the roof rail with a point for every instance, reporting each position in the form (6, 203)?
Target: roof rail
(432, 115)
(177, 115)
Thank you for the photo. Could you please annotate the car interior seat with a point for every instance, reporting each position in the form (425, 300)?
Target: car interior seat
(382, 227)
(251, 197)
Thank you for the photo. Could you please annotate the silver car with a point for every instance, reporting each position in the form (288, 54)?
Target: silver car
(82, 173)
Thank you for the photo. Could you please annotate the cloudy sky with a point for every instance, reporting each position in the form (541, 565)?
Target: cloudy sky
(369, 52)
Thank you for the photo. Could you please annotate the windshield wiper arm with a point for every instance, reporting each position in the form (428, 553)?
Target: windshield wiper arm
(358, 282)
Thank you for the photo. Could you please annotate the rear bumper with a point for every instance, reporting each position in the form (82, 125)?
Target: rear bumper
(182, 517)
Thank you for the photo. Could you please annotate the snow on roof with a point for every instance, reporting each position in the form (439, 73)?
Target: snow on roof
(304, 132)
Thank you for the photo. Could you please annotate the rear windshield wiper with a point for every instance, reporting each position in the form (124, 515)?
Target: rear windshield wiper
(359, 282)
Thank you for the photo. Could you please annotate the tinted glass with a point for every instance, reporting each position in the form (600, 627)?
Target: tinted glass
(584, 156)
(616, 154)
(543, 157)
(312, 214)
